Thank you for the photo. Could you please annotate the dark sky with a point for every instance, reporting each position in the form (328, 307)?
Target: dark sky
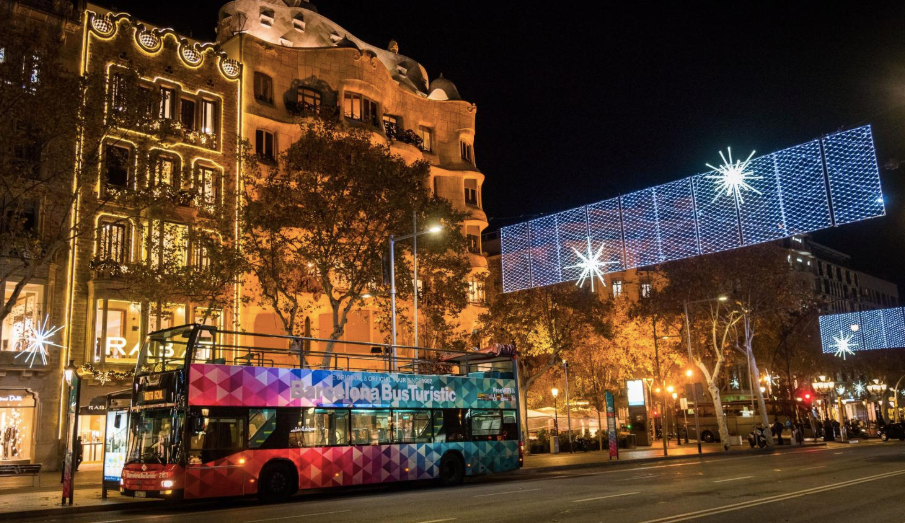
(578, 104)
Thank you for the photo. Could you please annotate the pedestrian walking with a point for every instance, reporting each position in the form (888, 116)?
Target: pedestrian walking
(777, 431)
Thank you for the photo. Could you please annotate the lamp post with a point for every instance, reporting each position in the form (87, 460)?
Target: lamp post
(71, 376)
(565, 366)
(393, 240)
(697, 423)
(878, 389)
(554, 441)
(675, 420)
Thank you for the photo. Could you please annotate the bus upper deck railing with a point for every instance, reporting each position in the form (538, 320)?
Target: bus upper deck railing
(275, 350)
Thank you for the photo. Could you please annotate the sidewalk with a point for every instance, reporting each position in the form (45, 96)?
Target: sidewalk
(18, 498)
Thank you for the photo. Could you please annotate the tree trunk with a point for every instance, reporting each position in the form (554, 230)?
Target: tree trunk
(720, 416)
(523, 411)
(752, 365)
(599, 430)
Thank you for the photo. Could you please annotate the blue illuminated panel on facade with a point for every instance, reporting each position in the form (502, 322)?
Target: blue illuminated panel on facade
(805, 188)
(865, 330)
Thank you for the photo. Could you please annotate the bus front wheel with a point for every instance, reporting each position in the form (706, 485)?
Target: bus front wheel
(452, 470)
(278, 482)
(707, 436)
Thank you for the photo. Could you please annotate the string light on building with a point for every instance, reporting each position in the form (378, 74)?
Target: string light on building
(843, 345)
(39, 341)
(733, 176)
(591, 266)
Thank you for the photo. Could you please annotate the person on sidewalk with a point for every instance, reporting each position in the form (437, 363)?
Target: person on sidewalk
(77, 453)
(777, 431)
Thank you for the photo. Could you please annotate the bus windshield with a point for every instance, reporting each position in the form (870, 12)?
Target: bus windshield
(154, 436)
(164, 350)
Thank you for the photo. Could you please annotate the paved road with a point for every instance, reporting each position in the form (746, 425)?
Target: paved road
(818, 484)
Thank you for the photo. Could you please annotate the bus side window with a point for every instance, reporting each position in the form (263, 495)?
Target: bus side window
(449, 425)
(510, 425)
(222, 437)
(485, 424)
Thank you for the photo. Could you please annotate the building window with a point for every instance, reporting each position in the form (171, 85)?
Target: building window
(474, 243)
(163, 171)
(266, 17)
(476, 292)
(25, 314)
(117, 328)
(298, 22)
(167, 102)
(360, 108)
(263, 88)
(27, 148)
(116, 167)
(187, 114)
(208, 187)
(391, 125)
(466, 151)
(200, 255)
(118, 92)
(471, 192)
(264, 145)
(112, 242)
(645, 290)
(208, 117)
(617, 288)
(427, 139)
(309, 100)
(168, 244)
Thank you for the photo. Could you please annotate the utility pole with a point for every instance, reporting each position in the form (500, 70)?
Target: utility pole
(665, 422)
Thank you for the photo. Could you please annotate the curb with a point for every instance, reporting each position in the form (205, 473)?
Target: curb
(574, 466)
(86, 509)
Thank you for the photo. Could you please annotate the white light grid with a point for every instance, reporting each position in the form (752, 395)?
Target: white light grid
(786, 193)
(605, 226)
(837, 328)
(639, 220)
(876, 329)
(675, 212)
(851, 166)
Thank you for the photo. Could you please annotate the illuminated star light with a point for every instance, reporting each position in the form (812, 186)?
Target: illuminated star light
(859, 387)
(844, 345)
(734, 382)
(733, 176)
(840, 390)
(590, 265)
(38, 342)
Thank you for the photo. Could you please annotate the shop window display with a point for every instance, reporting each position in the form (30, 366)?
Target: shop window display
(25, 315)
(117, 331)
(17, 410)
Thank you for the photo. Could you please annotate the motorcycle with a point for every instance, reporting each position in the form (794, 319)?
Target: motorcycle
(856, 431)
(757, 437)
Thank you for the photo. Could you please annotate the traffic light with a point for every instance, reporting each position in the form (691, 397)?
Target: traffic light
(804, 397)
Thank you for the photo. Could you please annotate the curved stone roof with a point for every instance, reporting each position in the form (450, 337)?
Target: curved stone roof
(443, 89)
(296, 23)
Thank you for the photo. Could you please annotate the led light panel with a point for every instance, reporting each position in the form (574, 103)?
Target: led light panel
(812, 186)
(850, 332)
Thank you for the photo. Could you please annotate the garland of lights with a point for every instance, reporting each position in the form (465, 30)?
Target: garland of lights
(103, 376)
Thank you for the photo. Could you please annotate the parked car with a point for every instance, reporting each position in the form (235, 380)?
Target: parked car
(893, 430)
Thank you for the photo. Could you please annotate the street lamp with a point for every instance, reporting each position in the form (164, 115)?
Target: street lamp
(565, 367)
(823, 387)
(555, 413)
(878, 389)
(694, 388)
(393, 240)
(70, 375)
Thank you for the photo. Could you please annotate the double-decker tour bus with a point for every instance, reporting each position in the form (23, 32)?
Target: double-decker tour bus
(219, 413)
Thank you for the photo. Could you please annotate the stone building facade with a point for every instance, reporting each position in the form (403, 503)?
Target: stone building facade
(295, 60)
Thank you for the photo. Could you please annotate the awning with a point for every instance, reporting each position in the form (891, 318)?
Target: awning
(97, 406)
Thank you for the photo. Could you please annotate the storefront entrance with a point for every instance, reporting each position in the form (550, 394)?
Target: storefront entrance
(92, 425)
(17, 417)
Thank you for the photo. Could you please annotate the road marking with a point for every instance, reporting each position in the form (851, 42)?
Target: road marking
(645, 477)
(817, 467)
(134, 519)
(733, 479)
(606, 497)
(304, 516)
(772, 499)
(437, 520)
(837, 453)
(509, 492)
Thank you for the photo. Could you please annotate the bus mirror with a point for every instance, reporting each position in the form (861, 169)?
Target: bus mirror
(198, 424)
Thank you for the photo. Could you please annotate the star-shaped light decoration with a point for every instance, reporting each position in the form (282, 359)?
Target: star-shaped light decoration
(843, 345)
(859, 387)
(772, 379)
(39, 339)
(733, 177)
(591, 266)
(840, 390)
(734, 383)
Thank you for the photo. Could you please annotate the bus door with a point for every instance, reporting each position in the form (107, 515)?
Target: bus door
(216, 461)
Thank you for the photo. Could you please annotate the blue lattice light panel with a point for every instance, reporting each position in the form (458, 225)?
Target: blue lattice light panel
(822, 183)
(860, 331)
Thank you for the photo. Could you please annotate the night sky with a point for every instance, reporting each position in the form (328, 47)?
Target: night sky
(580, 103)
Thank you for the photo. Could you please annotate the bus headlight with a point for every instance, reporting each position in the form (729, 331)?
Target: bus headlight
(166, 483)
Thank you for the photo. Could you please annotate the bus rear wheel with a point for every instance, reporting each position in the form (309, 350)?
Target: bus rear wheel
(277, 482)
(452, 470)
